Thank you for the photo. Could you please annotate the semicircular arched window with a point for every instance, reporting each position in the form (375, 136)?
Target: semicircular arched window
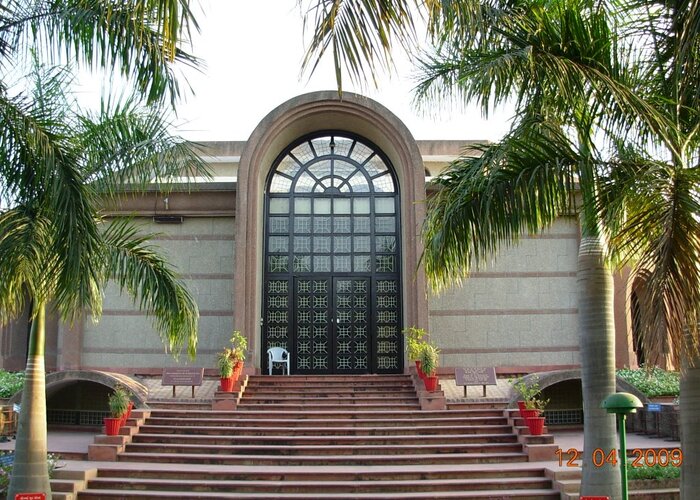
(332, 277)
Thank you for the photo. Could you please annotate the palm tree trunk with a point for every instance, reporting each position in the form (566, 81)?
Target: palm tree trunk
(597, 338)
(30, 473)
(690, 431)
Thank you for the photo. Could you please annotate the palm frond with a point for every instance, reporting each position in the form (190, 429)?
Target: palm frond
(138, 39)
(521, 184)
(24, 267)
(127, 144)
(139, 270)
(359, 33)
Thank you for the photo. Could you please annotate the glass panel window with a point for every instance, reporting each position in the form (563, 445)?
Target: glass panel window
(386, 244)
(302, 224)
(385, 224)
(362, 243)
(343, 169)
(305, 183)
(288, 166)
(279, 205)
(341, 206)
(341, 244)
(384, 184)
(362, 264)
(280, 184)
(322, 145)
(322, 244)
(341, 224)
(303, 153)
(360, 205)
(322, 206)
(375, 166)
(322, 225)
(321, 169)
(322, 263)
(278, 244)
(341, 263)
(279, 224)
(360, 152)
(302, 244)
(361, 224)
(302, 206)
(358, 183)
(384, 206)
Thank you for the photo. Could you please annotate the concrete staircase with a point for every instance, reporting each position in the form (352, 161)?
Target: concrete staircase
(325, 437)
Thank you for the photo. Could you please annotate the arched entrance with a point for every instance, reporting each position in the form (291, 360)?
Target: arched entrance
(332, 278)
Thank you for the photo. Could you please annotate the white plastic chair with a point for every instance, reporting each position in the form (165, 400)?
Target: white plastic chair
(277, 355)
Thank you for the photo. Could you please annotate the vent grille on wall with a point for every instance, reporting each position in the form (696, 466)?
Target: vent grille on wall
(168, 219)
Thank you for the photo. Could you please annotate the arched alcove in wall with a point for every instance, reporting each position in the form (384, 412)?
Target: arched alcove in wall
(299, 117)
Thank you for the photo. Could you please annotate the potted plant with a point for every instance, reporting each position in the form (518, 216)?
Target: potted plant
(230, 361)
(225, 365)
(118, 402)
(414, 345)
(238, 350)
(429, 358)
(526, 389)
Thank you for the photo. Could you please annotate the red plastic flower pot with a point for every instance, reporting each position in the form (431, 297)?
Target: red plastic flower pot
(237, 369)
(112, 426)
(431, 383)
(521, 407)
(535, 425)
(227, 384)
(530, 413)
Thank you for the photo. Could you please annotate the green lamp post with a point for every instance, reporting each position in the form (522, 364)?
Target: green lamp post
(622, 404)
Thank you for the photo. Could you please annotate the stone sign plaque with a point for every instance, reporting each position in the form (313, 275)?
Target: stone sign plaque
(183, 376)
(479, 375)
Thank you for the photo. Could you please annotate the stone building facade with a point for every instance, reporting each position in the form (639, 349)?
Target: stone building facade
(308, 236)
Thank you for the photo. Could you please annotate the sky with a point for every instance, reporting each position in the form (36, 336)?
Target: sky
(253, 51)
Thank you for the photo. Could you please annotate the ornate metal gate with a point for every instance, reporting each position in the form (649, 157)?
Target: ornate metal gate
(332, 277)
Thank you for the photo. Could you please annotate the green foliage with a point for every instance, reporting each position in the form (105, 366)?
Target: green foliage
(414, 342)
(528, 389)
(6, 470)
(654, 472)
(10, 383)
(239, 346)
(652, 382)
(429, 358)
(225, 363)
(118, 401)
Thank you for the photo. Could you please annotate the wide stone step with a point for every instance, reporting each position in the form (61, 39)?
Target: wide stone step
(328, 487)
(261, 420)
(388, 400)
(340, 390)
(238, 430)
(247, 412)
(314, 406)
(318, 460)
(330, 450)
(348, 380)
(431, 495)
(311, 475)
(324, 440)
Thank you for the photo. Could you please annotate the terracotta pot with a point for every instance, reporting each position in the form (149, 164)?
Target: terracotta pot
(112, 425)
(227, 384)
(535, 425)
(431, 383)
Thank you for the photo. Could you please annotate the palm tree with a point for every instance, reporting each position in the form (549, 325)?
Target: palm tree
(54, 165)
(57, 166)
(575, 75)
